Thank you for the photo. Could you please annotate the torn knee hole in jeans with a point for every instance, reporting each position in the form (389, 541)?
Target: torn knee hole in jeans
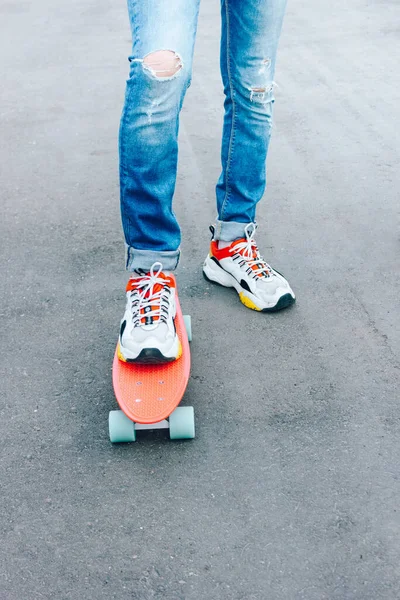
(162, 64)
(262, 93)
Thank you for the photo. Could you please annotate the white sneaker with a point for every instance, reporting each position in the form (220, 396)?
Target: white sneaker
(240, 266)
(147, 333)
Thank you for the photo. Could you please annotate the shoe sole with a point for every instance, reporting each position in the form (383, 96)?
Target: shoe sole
(284, 301)
(149, 356)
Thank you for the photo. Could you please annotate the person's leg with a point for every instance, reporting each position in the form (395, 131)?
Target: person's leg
(163, 35)
(249, 42)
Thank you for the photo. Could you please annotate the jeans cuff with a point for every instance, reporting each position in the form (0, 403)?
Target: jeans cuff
(145, 259)
(228, 231)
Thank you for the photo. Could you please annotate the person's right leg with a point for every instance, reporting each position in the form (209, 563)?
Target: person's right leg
(163, 36)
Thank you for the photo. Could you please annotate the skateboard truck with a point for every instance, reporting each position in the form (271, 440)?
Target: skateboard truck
(180, 424)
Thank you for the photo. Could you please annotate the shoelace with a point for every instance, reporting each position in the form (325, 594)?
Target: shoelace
(150, 297)
(248, 250)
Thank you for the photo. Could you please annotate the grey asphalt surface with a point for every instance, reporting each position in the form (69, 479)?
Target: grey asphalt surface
(291, 488)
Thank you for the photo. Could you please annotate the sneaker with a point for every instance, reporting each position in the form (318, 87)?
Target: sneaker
(148, 333)
(240, 266)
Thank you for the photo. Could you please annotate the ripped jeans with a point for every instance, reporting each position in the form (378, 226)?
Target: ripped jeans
(148, 140)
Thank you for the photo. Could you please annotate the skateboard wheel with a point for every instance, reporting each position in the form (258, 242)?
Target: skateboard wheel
(181, 423)
(188, 326)
(121, 428)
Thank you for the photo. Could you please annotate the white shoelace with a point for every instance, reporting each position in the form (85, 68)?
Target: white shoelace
(249, 252)
(154, 303)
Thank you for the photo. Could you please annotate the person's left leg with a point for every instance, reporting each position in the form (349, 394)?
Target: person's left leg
(249, 42)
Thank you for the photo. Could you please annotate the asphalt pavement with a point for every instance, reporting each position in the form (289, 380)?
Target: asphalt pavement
(290, 490)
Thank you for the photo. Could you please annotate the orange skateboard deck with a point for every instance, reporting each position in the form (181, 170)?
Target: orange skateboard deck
(149, 394)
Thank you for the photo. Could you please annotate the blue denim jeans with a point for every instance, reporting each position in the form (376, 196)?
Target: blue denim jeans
(148, 141)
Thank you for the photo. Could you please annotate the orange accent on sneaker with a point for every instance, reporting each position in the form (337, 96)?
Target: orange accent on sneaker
(221, 253)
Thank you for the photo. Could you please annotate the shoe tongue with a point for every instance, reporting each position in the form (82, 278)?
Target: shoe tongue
(138, 275)
(253, 247)
(255, 256)
(133, 283)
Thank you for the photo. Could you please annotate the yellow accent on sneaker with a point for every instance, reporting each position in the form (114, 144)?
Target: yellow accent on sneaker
(247, 302)
(119, 354)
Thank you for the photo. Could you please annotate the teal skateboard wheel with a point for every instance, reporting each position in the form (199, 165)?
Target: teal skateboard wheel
(181, 423)
(188, 325)
(121, 429)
